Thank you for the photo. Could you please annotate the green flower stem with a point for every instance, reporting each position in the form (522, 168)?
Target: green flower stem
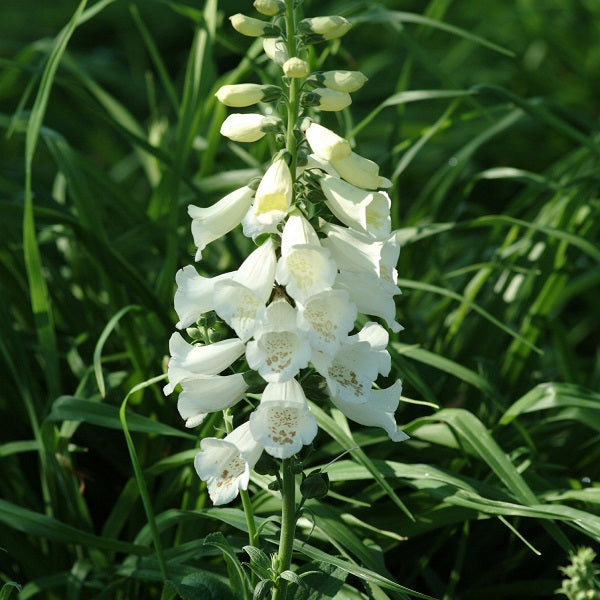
(294, 87)
(253, 537)
(288, 525)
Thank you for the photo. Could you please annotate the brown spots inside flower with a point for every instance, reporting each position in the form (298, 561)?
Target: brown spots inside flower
(283, 425)
(231, 471)
(346, 378)
(279, 349)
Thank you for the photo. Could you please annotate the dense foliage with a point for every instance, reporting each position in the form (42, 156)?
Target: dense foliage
(484, 115)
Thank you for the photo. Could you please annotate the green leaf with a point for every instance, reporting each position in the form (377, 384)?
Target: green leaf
(35, 524)
(7, 590)
(237, 576)
(204, 586)
(69, 408)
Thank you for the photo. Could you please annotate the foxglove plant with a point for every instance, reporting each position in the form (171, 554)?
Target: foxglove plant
(325, 253)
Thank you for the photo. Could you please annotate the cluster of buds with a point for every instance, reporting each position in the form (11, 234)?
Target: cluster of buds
(325, 253)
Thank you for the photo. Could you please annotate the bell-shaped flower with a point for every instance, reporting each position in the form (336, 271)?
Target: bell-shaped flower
(356, 251)
(213, 222)
(188, 361)
(194, 295)
(282, 423)
(325, 143)
(350, 372)
(371, 294)
(324, 28)
(252, 227)
(326, 99)
(305, 268)
(225, 464)
(368, 212)
(358, 171)
(279, 349)
(203, 395)
(377, 411)
(377, 337)
(240, 300)
(326, 318)
(341, 81)
(273, 196)
(270, 8)
(249, 127)
(295, 68)
(245, 94)
(253, 27)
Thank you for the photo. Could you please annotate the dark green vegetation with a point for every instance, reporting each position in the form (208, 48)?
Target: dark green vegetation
(109, 129)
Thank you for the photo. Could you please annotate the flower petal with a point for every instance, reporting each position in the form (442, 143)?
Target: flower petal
(283, 423)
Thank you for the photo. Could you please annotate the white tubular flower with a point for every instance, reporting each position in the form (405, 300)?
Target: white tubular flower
(377, 411)
(328, 28)
(295, 68)
(368, 212)
(248, 127)
(203, 395)
(225, 464)
(377, 337)
(350, 372)
(326, 319)
(274, 194)
(252, 227)
(270, 8)
(305, 268)
(279, 350)
(253, 27)
(372, 295)
(326, 99)
(326, 144)
(194, 295)
(341, 81)
(283, 423)
(246, 94)
(356, 251)
(276, 50)
(189, 361)
(358, 171)
(213, 222)
(240, 300)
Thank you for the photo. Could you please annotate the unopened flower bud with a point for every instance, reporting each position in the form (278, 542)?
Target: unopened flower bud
(253, 27)
(325, 99)
(296, 67)
(270, 8)
(326, 144)
(341, 81)
(326, 28)
(358, 171)
(246, 94)
(248, 127)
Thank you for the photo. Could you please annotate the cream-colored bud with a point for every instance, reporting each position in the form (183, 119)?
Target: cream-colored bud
(326, 144)
(270, 8)
(328, 100)
(275, 49)
(248, 127)
(295, 68)
(342, 81)
(246, 94)
(253, 27)
(358, 171)
(329, 27)
(274, 193)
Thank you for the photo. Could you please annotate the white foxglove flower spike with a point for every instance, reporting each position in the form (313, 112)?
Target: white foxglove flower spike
(377, 411)
(188, 361)
(213, 222)
(282, 423)
(225, 464)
